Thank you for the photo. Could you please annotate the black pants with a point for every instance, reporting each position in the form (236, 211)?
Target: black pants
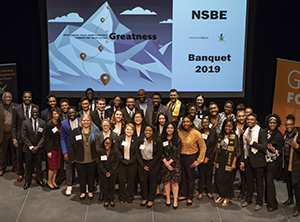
(288, 178)
(86, 175)
(187, 175)
(99, 178)
(127, 173)
(148, 182)
(31, 161)
(257, 175)
(205, 176)
(297, 194)
(108, 184)
(271, 172)
(20, 159)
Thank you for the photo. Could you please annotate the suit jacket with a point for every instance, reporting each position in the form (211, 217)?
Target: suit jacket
(100, 138)
(2, 119)
(45, 113)
(111, 163)
(91, 108)
(211, 143)
(52, 139)
(157, 153)
(132, 158)
(127, 117)
(258, 160)
(182, 112)
(149, 103)
(76, 147)
(30, 138)
(80, 113)
(65, 134)
(18, 118)
(161, 109)
(96, 119)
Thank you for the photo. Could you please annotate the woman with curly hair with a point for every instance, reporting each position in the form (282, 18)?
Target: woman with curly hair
(118, 122)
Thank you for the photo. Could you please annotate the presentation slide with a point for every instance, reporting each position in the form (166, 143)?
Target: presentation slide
(112, 46)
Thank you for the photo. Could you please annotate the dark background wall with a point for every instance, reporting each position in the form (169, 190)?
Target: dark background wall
(274, 32)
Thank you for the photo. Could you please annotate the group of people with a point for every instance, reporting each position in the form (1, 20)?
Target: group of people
(147, 143)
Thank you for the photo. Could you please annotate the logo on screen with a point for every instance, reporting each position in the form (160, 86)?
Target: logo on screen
(221, 38)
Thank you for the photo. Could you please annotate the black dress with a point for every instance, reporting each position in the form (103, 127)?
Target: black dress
(171, 150)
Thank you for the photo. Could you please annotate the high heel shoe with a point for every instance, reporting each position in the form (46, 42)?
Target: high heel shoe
(143, 204)
(168, 205)
(181, 199)
(106, 205)
(51, 188)
(225, 202)
(175, 207)
(219, 200)
(90, 197)
(189, 203)
(82, 198)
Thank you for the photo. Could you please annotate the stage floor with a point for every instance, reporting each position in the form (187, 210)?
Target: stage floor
(41, 204)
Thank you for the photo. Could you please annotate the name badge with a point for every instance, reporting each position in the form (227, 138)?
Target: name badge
(166, 143)
(142, 147)
(40, 130)
(78, 137)
(124, 143)
(54, 130)
(226, 140)
(103, 158)
(210, 125)
(204, 136)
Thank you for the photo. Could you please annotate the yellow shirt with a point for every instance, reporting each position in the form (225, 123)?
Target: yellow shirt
(192, 141)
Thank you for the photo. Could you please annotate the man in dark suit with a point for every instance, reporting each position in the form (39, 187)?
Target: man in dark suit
(66, 130)
(51, 102)
(253, 160)
(100, 114)
(21, 113)
(85, 105)
(153, 111)
(89, 94)
(177, 108)
(130, 110)
(64, 105)
(143, 101)
(33, 143)
(6, 112)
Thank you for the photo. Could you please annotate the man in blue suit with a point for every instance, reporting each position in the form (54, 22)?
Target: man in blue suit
(67, 126)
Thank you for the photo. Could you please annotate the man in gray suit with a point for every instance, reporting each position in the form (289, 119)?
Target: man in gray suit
(21, 113)
(153, 111)
(33, 144)
(6, 111)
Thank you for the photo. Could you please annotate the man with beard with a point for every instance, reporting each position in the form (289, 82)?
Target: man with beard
(130, 110)
(51, 102)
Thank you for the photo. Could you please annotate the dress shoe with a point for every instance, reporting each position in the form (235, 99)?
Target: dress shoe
(20, 178)
(33, 176)
(105, 205)
(69, 190)
(41, 183)
(245, 204)
(56, 187)
(82, 197)
(288, 202)
(210, 196)
(271, 209)
(26, 185)
(149, 206)
(168, 205)
(199, 197)
(112, 204)
(101, 197)
(257, 207)
(189, 203)
(296, 211)
(2, 172)
(143, 204)
(51, 188)
(90, 197)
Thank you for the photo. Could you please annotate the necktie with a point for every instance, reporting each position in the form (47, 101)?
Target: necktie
(102, 116)
(171, 108)
(27, 112)
(35, 131)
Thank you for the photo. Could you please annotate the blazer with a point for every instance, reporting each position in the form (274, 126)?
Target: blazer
(76, 147)
(161, 109)
(276, 139)
(127, 117)
(52, 137)
(142, 131)
(45, 113)
(65, 134)
(17, 119)
(132, 157)
(157, 153)
(100, 138)
(258, 160)
(80, 113)
(111, 163)
(149, 103)
(2, 119)
(96, 119)
(30, 138)
(182, 112)
(211, 143)
(91, 108)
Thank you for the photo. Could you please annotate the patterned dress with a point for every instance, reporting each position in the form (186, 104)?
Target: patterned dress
(171, 150)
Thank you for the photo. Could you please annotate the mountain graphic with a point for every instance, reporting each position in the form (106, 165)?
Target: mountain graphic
(80, 55)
